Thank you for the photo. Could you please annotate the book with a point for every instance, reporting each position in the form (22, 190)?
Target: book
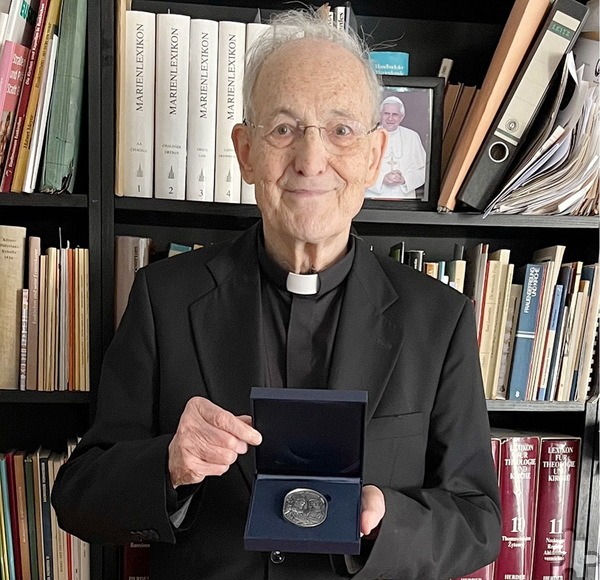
(519, 31)
(533, 278)
(136, 561)
(31, 516)
(476, 258)
(12, 72)
(508, 340)
(45, 521)
(254, 30)
(445, 69)
(131, 254)
(24, 294)
(230, 74)
(12, 270)
(61, 150)
(389, 63)
(414, 258)
(202, 109)
(15, 139)
(519, 466)
(18, 458)
(22, 157)
(137, 138)
(5, 515)
(550, 336)
(41, 118)
(171, 105)
(397, 252)
(41, 354)
(451, 97)
(557, 494)
(509, 130)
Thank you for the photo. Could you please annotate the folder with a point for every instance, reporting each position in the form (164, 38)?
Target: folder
(524, 99)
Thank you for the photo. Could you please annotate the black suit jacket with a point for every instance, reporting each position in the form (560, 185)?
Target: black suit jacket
(193, 328)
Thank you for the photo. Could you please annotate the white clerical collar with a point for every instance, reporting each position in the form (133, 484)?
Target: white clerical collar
(304, 284)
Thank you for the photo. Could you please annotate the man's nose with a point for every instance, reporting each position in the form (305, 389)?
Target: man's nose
(312, 156)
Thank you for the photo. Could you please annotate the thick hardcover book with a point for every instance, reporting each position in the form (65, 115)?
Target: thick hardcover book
(519, 462)
(14, 512)
(31, 516)
(7, 519)
(230, 75)
(171, 105)
(138, 104)
(15, 140)
(12, 268)
(61, 150)
(21, 510)
(557, 492)
(509, 130)
(136, 561)
(533, 283)
(202, 110)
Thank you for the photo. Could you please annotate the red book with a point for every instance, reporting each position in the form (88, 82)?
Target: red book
(557, 491)
(519, 462)
(12, 150)
(487, 572)
(13, 512)
(136, 561)
(12, 72)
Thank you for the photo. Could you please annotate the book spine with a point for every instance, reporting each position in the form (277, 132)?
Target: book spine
(33, 321)
(230, 74)
(526, 325)
(202, 110)
(136, 561)
(550, 336)
(46, 520)
(12, 266)
(23, 343)
(488, 321)
(138, 130)
(50, 28)
(15, 140)
(171, 105)
(518, 489)
(558, 481)
(20, 492)
(7, 527)
(31, 523)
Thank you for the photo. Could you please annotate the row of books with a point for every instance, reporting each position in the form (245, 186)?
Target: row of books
(32, 545)
(178, 99)
(537, 325)
(44, 314)
(41, 90)
(538, 477)
(529, 141)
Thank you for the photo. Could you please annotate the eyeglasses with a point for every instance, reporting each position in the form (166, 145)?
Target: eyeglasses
(340, 136)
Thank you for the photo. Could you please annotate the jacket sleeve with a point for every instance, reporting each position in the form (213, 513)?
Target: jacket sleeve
(115, 488)
(450, 526)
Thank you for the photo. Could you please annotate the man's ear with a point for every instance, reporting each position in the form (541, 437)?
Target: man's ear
(241, 143)
(379, 140)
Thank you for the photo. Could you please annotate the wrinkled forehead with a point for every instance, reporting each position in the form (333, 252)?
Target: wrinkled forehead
(310, 77)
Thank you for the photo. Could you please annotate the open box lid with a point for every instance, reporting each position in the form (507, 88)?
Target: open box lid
(309, 432)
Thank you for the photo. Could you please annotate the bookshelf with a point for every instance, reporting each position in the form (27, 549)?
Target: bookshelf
(93, 216)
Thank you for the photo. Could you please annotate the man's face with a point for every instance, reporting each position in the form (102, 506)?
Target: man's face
(305, 193)
(391, 116)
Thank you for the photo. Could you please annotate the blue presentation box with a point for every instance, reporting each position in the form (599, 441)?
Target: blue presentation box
(312, 439)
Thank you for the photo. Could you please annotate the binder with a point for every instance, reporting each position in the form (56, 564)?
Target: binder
(523, 101)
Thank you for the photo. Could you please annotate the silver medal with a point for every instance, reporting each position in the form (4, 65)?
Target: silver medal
(305, 508)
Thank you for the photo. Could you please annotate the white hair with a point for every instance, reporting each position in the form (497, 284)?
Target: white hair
(393, 100)
(291, 25)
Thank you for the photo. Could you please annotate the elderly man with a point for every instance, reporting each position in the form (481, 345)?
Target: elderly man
(296, 301)
(403, 166)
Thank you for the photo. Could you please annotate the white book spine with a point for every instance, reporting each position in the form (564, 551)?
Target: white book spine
(230, 74)
(138, 105)
(202, 110)
(253, 31)
(170, 133)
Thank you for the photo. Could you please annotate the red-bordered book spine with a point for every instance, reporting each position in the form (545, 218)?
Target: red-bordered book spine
(557, 492)
(519, 463)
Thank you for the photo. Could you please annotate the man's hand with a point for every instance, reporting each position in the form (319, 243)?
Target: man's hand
(372, 509)
(208, 441)
(394, 178)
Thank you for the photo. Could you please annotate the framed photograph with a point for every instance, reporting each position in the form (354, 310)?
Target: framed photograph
(411, 113)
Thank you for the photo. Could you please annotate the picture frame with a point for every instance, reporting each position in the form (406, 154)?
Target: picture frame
(410, 172)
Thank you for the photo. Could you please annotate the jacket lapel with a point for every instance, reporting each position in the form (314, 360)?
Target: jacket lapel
(368, 340)
(227, 331)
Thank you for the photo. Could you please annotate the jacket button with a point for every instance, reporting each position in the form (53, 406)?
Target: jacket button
(277, 557)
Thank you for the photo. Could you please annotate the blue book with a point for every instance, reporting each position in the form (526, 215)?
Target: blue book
(6, 518)
(389, 63)
(556, 301)
(533, 283)
(565, 275)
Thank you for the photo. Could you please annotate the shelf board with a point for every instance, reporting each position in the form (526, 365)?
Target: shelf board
(66, 397)
(373, 212)
(536, 406)
(43, 200)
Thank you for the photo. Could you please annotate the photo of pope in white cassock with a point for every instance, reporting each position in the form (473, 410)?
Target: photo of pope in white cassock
(403, 169)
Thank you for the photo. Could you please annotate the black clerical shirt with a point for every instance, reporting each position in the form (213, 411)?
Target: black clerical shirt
(298, 331)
